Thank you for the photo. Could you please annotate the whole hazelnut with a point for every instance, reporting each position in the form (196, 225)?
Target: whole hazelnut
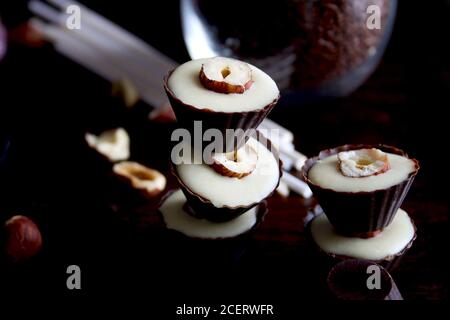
(22, 238)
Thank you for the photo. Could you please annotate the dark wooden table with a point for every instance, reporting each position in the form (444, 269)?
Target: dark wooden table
(48, 103)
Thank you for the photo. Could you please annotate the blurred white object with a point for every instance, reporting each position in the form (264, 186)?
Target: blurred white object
(298, 159)
(283, 140)
(286, 136)
(283, 189)
(113, 144)
(296, 185)
(199, 42)
(286, 162)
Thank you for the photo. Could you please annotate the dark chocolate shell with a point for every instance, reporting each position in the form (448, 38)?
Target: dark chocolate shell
(261, 213)
(365, 212)
(348, 281)
(203, 208)
(203, 252)
(186, 115)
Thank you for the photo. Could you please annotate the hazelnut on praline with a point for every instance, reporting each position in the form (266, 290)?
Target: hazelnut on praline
(225, 75)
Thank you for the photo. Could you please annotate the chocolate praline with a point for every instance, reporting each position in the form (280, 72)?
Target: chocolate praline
(227, 248)
(203, 208)
(366, 213)
(187, 114)
(328, 260)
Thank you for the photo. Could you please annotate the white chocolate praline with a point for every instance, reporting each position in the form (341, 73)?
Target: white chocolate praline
(393, 239)
(326, 174)
(185, 85)
(224, 191)
(177, 219)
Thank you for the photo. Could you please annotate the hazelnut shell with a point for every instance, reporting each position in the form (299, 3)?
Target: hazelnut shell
(23, 239)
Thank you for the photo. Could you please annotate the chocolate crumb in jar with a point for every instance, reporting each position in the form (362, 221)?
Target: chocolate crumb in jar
(333, 38)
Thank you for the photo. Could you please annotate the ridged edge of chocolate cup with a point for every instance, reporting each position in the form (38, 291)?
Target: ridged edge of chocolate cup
(261, 214)
(390, 262)
(186, 114)
(365, 212)
(204, 208)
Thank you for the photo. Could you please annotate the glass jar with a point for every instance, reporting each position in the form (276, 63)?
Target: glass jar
(312, 48)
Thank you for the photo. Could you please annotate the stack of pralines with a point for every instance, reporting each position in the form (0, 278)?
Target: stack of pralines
(224, 176)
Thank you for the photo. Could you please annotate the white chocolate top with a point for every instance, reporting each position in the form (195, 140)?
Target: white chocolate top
(232, 192)
(326, 174)
(185, 84)
(390, 241)
(177, 219)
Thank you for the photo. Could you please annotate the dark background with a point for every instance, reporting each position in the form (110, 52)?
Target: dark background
(47, 103)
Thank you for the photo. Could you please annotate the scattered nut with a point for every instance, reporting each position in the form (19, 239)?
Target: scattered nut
(225, 75)
(113, 144)
(23, 238)
(125, 90)
(237, 164)
(150, 181)
(363, 162)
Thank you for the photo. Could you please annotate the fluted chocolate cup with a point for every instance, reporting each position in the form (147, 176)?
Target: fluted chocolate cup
(261, 212)
(201, 207)
(362, 214)
(202, 251)
(187, 114)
